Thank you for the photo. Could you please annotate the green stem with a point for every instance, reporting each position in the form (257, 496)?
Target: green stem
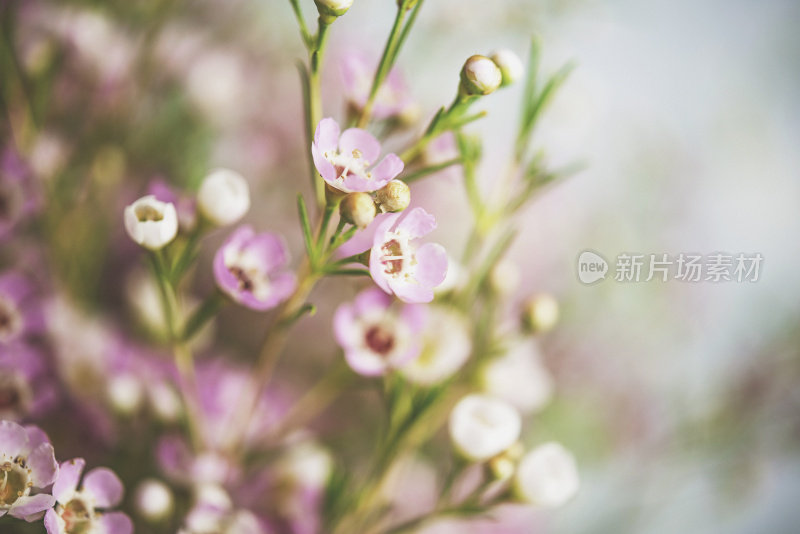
(387, 59)
(301, 22)
(207, 310)
(314, 104)
(427, 171)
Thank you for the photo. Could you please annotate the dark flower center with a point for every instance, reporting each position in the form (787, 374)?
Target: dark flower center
(147, 213)
(379, 340)
(245, 282)
(392, 257)
(13, 482)
(77, 517)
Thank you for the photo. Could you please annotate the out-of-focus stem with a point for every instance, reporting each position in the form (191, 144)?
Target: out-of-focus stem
(389, 54)
(314, 104)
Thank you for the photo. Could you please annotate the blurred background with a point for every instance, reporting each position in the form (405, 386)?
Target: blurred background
(680, 400)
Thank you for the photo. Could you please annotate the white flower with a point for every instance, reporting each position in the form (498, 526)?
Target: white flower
(333, 8)
(307, 465)
(125, 393)
(153, 500)
(446, 347)
(509, 64)
(224, 197)
(480, 76)
(519, 377)
(482, 426)
(151, 223)
(547, 476)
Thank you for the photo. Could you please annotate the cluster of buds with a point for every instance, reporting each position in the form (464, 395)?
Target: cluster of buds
(359, 208)
(483, 75)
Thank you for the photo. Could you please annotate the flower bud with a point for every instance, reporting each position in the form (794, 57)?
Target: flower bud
(358, 209)
(151, 223)
(125, 393)
(510, 66)
(504, 277)
(153, 500)
(395, 196)
(547, 476)
(540, 314)
(224, 197)
(480, 76)
(501, 467)
(482, 427)
(333, 8)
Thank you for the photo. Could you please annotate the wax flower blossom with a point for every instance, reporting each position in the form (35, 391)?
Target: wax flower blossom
(344, 160)
(446, 346)
(377, 336)
(249, 267)
(85, 509)
(393, 97)
(547, 476)
(519, 377)
(482, 427)
(151, 223)
(27, 461)
(224, 197)
(21, 312)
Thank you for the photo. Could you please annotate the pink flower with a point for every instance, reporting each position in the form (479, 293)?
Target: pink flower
(250, 268)
(393, 97)
(396, 263)
(27, 461)
(344, 161)
(85, 509)
(377, 336)
(20, 309)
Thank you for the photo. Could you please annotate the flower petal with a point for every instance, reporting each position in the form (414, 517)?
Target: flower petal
(365, 362)
(25, 507)
(43, 465)
(115, 523)
(36, 435)
(371, 300)
(69, 474)
(13, 439)
(431, 268)
(364, 239)
(389, 167)
(104, 486)
(354, 139)
(416, 223)
(325, 167)
(51, 523)
(410, 291)
(326, 136)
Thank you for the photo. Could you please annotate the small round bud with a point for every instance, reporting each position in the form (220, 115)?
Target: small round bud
(394, 196)
(540, 314)
(151, 223)
(547, 476)
(482, 427)
(505, 277)
(501, 467)
(224, 197)
(510, 66)
(153, 500)
(333, 8)
(480, 76)
(358, 209)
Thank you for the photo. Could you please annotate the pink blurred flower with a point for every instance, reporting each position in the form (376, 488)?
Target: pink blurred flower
(26, 386)
(393, 97)
(376, 336)
(250, 268)
(27, 461)
(20, 310)
(85, 509)
(185, 205)
(18, 195)
(343, 160)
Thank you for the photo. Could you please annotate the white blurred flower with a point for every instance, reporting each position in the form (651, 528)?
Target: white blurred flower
(165, 402)
(540, 313)
(224, 197)
(547, 476)
(510, 65)
(482, 427)
(216, 84)
(153, 500)
(307, 464)
(125, 393)
(446, 347)
(505, 277)
(519, 377)
(151, 223)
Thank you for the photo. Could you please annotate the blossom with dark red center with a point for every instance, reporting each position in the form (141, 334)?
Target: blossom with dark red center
(250, 268)
(378, 334)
